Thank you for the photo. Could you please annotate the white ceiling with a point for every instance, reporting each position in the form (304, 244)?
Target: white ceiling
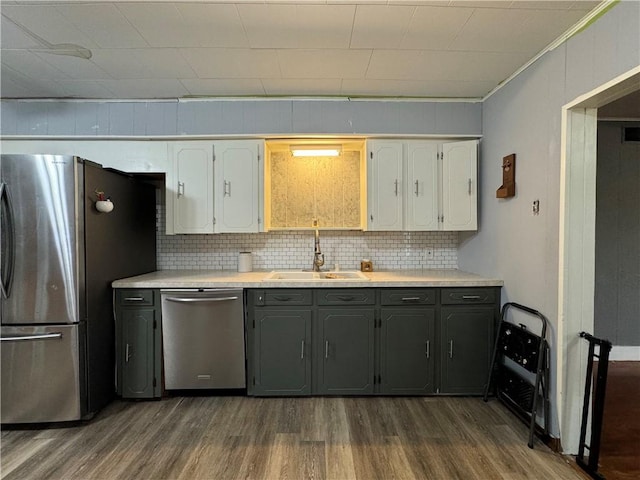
(160, 49)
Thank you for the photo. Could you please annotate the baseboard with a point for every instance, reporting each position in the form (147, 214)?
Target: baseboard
(553, 443)
(624, 354)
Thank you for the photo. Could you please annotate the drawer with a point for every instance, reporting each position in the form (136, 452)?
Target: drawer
(283, 297)
(135, 297)
(402, 296)
(346, 296)
(468, 296)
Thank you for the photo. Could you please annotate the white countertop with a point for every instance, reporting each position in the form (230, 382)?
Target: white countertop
(232, 279)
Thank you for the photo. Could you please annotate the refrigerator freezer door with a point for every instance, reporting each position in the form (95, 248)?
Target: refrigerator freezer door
(40, 374)
(42, 194)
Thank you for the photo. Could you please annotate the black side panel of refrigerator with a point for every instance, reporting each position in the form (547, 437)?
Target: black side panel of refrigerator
(119, 244)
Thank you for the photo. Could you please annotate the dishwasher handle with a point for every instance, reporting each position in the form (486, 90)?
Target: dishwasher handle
(199, 299)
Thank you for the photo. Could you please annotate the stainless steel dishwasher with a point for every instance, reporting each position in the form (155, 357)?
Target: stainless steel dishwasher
(203, 338)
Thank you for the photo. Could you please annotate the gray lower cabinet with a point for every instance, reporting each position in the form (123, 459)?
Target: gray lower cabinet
(407, 350)
(138, 343)
(361, 341)
(407, 341)
(281, 352)
(344, 351)
(467, 326)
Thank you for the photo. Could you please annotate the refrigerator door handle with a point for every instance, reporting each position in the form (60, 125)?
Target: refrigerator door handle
(6, 275)
(44, 336)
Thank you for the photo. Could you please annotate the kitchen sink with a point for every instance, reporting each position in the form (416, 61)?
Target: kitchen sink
(289, 276)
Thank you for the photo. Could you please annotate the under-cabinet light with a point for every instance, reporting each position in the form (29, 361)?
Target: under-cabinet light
(315, 150)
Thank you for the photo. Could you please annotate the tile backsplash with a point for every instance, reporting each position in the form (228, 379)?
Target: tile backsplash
(294, 249)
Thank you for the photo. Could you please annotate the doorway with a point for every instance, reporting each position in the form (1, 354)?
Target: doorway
(577, 246)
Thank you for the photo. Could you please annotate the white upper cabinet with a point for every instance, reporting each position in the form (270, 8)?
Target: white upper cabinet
(460, 185)
(385, 167)
(238, 186)
(421, 212)
(218, 186)
(193, 194)
(417, 185)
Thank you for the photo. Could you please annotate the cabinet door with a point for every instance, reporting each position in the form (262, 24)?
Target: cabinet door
(137, 350)
(193, 198)
(466, 342)
(406, 350)
(344, 351)
(237, 177)
(421, 211)
(459, 185)
(281, 352)
(384, 186)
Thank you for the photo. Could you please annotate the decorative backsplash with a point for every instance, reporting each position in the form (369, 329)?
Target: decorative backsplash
(294, 249)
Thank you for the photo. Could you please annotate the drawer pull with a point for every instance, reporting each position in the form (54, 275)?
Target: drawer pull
(134, 299)
(410, 299)
(346, 298)
(282, 299)
(471, 297)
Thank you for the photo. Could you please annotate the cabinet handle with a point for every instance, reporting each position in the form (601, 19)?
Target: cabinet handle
(346, 298)
(282, 299)
(226, 188)
(396, 186)
(428, 349)
(302, 351)
(469, 186)
(326, 349)
(127, 353)
(133, 299)
(180, 189)
(410, 299)
(471, 297)
(416, 188)
(450, 348)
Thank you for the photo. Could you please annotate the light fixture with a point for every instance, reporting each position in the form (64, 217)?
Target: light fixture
(315, 150)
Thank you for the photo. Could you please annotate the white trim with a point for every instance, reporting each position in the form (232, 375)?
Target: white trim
(576, 266)
(557, 42)
(242, 136)
(204, 99)
(624, 354)
(624, 84)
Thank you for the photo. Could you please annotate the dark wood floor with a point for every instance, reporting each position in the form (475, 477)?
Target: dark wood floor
(620, 450)
(283, 438)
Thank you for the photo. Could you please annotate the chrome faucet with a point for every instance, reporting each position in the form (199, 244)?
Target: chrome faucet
(318, 256)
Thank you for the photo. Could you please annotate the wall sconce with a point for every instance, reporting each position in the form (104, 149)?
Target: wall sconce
(315, 150)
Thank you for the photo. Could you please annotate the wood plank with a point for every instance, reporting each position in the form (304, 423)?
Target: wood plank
(320, 438)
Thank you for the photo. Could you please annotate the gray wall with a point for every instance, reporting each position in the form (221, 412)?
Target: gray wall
(239, 117)
(524, 118)
(617, 290)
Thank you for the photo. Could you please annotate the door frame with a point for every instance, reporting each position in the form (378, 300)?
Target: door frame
(576, 276)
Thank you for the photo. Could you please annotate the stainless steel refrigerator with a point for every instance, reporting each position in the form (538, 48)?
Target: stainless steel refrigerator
(58, 257)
